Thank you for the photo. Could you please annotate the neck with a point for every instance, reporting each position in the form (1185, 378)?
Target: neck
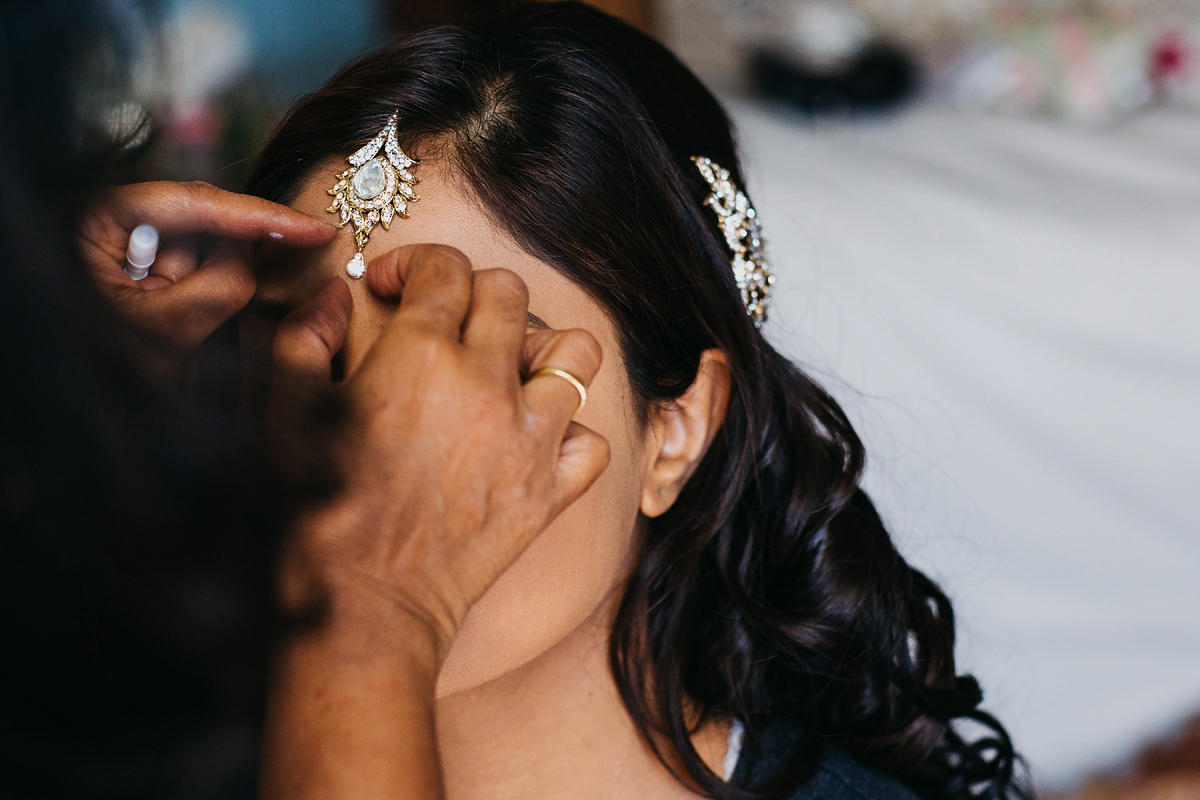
(556, 728)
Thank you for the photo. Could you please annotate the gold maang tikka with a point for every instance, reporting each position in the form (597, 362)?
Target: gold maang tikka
(373, 190)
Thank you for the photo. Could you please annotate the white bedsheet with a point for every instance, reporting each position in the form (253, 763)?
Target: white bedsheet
(1010, 311)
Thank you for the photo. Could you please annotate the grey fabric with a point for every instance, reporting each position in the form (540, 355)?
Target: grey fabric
(841, 777)
(1007, 310)
(838, 775)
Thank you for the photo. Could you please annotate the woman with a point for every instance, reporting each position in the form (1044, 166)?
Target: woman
(726, 573)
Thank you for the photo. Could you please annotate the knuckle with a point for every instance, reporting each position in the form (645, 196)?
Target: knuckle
(438, 266)
(502, 296)
(201, 194)
(581, 350)
(443, 258)
(449, 254)
(507, 286)
(202, 188)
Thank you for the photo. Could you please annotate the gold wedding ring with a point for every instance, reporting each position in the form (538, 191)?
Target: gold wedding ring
(569, 378)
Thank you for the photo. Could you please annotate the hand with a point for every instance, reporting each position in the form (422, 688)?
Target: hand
(451, 467)
(182, 301)
(450, 464)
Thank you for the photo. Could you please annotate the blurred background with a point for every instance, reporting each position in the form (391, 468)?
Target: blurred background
(984, 217)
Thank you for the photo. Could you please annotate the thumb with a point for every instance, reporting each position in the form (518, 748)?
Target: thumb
(305, 344)
(309, 337)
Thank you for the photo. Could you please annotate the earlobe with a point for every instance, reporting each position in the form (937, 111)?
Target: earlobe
(681, 432)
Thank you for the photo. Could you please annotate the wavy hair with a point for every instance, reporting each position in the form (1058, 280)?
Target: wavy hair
(770, 590)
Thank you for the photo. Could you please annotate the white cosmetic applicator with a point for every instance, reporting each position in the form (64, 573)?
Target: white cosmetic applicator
(143, 247)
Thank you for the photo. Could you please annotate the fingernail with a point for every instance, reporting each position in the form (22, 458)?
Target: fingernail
(275, 235)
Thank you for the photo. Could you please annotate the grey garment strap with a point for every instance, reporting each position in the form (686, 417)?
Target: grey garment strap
(733, 751)
(837, 775)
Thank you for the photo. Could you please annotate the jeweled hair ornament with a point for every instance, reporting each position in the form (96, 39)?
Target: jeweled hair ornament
(373, 190)
(739, 224)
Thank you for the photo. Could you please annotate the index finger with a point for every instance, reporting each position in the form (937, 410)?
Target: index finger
(183, 208)
(433, 283)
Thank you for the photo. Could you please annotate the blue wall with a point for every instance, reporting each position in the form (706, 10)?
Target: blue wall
(299, 43)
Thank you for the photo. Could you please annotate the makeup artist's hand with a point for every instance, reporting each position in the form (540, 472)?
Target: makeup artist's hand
(184, 299)
(452, 465)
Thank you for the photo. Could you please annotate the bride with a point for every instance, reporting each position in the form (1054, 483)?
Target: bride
(723, 612)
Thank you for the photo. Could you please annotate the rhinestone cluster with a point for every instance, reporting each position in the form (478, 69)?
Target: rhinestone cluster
(373, 190)
(739, 224)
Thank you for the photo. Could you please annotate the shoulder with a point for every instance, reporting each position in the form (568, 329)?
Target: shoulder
(840, 777)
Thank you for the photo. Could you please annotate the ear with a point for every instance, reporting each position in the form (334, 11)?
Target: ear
(681, 431)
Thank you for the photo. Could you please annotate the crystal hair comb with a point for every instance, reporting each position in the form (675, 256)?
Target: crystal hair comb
(739, 224)
(373, 190)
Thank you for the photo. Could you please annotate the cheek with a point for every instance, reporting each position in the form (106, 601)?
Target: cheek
(565, 577)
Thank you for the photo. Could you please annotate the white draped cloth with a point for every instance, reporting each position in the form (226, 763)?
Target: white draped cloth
(1009, 310)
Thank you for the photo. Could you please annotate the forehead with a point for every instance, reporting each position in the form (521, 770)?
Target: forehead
(447, 213)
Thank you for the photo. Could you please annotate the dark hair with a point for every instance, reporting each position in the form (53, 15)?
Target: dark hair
(136, 537)
(770, 590)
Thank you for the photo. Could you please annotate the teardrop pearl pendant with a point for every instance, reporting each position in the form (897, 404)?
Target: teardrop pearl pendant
(373, 190)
